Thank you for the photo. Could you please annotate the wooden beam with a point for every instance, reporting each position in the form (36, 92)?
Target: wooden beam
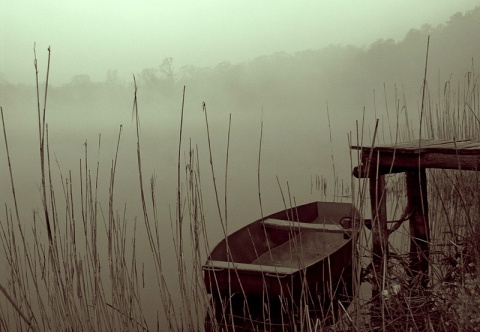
(362, 172)
(378, 204)
(219, 266)
(419, 225)
(406, 162)
(304, 226)
(445, 146)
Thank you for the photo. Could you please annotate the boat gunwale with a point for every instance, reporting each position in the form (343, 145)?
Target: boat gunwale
(216, 266)
(249, 266)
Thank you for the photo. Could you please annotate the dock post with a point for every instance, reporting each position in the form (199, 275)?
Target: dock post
(419, 225)
(378, 203)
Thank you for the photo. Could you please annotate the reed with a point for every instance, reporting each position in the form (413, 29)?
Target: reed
(453, 207)
(56, 280)
(61, 278)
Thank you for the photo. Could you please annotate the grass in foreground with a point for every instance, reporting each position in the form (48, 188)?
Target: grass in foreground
(59, 278)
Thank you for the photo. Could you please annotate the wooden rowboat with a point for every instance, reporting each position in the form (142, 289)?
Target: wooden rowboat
(299, 254)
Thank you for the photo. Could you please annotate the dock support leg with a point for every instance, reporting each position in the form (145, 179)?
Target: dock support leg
(378, 203)
(419, 226)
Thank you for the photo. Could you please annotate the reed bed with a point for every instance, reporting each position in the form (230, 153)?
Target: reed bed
(449, 301)
(61, 278)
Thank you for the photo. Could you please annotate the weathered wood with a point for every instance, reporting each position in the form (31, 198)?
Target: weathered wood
(413, 158)
(379, 233)
(413, 146)
(419, 225)
(363, 172)
(212, 265)
(416, 146)
(295, 225)
(397, 163)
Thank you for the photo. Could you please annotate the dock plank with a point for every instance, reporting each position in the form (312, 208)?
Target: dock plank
(464, 146)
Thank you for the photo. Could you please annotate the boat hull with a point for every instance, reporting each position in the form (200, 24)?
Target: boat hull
(316, 278)
(295, 257)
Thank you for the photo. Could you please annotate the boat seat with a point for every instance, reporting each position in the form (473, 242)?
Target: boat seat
(293, 225)
(280, 271)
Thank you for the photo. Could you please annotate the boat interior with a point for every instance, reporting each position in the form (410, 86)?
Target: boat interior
(287, 241)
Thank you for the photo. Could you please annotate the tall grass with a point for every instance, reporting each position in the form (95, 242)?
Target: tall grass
(453, 212)
(56, 280)
(61, 277)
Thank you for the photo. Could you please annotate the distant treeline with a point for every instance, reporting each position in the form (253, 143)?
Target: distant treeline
(346, 76)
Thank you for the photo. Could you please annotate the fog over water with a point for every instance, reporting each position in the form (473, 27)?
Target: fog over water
(90, 37)
(308, 71)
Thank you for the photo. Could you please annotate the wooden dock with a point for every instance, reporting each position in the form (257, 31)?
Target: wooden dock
(402, 157)
(411, 158)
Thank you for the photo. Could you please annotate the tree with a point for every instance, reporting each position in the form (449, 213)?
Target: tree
(149, 76)
(166, 69)
(80, 81)
(112, 78)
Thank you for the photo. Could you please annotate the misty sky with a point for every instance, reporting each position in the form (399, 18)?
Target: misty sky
(91, 37)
